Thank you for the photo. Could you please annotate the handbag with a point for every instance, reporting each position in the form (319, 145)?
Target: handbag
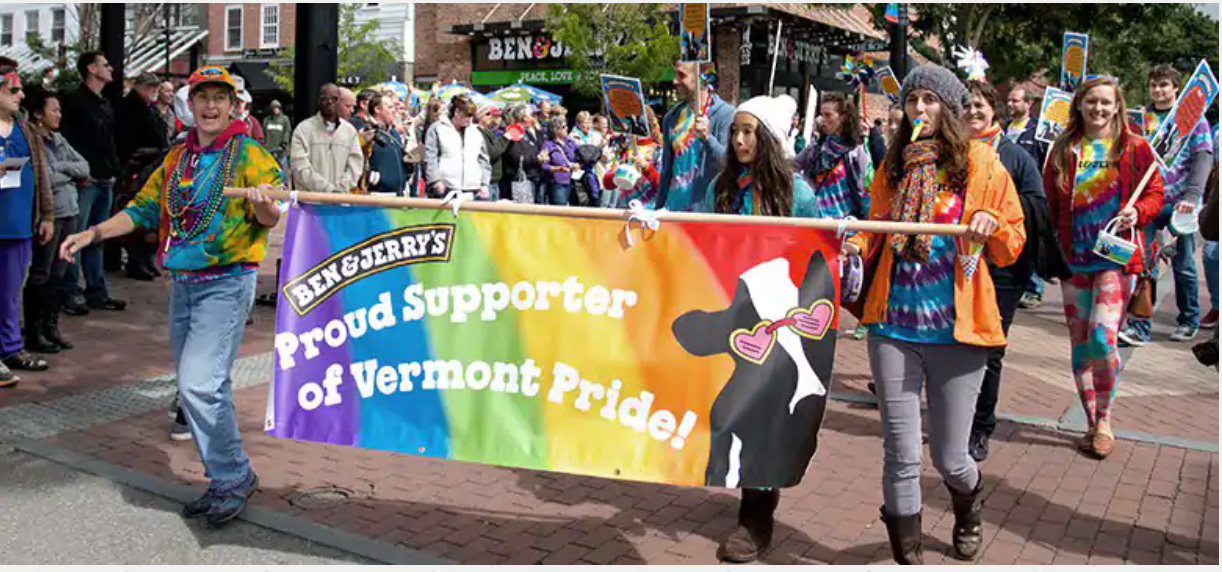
(521, 189)
(1141, 304)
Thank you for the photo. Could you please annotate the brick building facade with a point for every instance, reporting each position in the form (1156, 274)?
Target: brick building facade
(452, 44)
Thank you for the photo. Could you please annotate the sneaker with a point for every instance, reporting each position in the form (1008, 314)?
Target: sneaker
(860, 333)
(200, 506)
(229, 504)
(179, 431)
(1030, 301)
(1129, 338)
(1184, 334)
(1210, 321)
(7, 377)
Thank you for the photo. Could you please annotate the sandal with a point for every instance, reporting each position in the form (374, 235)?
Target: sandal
(23, 361)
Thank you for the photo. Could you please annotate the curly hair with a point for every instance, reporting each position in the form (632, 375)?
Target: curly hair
(850, 125)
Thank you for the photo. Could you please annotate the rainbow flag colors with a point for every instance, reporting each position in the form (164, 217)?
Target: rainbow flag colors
(700, 356)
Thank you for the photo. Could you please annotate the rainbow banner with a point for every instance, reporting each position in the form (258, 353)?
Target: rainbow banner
(700, 356)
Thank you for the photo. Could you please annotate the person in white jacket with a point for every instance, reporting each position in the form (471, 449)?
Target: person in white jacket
(455, 155)
(326, 150)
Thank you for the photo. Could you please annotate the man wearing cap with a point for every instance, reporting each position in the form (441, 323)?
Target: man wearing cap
(490, 127)
(89, 126)
(242, 111)
(212, 245)
(277, 131)
(143, 141)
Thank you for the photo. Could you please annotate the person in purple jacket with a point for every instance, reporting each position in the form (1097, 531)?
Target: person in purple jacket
(561, 160)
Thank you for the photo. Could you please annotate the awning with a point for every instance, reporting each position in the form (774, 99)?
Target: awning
(27, 60)
(149, 54)
(255, 74)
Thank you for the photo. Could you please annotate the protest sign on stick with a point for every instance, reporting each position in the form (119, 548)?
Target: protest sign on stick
(1054, 114)
(1074, 52)
(694, 39)
(889, 84)
(625, 105)
(1195, 98)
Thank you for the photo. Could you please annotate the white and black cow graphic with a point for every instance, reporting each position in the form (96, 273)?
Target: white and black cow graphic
(764, 422)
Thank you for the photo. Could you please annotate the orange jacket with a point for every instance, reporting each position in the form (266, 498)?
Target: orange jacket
(989, 190)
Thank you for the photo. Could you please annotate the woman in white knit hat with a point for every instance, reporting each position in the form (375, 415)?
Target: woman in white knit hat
(759, 179)
(931, 310)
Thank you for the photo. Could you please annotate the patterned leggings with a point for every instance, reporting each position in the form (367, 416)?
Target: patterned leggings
(1095, 304)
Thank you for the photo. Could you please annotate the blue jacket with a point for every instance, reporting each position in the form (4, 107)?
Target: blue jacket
(712, 160)
(386, 160)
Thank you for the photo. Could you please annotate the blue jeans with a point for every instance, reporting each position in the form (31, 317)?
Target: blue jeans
(207, 321)
(95, 201)
(1036, 286)
(1209, 257)
(1184, 268)
(559, 193)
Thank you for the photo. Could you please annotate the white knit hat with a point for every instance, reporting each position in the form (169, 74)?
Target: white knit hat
(775, 114)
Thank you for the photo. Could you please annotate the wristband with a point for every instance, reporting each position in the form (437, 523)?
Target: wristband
(95, 234)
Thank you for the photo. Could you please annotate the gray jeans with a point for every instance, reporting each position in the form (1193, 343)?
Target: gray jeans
(952, 377)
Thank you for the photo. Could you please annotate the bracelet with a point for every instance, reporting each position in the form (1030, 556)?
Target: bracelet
(95, 234)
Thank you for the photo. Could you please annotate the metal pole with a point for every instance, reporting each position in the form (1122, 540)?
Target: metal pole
(113, 25)
(165, 16)
(776, 52)
(899, 44)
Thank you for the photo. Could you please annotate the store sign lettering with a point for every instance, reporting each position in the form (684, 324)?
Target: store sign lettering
(798, 50)
(539, 47)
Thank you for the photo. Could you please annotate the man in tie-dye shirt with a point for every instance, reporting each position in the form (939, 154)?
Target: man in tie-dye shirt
(694, 142)
(212, 245)
(1184, 179)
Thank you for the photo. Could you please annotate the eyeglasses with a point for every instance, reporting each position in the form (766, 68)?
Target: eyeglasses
(329, 99)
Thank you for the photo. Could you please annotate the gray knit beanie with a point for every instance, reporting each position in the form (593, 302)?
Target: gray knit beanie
(939, 80)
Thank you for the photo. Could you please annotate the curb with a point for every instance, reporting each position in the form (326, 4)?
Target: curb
(266, 518)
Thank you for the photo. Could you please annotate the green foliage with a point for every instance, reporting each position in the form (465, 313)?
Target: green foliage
(361, 53)
(632, 40)
(1022, 41)
(63, 58)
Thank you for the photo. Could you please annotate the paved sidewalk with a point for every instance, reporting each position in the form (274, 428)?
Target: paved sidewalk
(1155, 501)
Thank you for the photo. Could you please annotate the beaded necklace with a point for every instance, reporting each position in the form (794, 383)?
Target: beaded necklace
(181, 200)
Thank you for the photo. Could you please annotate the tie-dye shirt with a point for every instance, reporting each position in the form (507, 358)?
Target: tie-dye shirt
(687, 150)
(1175, 176)
(921, 303)
(839, 175)
(234, 242)
(1096, 200)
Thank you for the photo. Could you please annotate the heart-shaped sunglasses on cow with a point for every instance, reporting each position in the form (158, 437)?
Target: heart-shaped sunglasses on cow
(755, 344)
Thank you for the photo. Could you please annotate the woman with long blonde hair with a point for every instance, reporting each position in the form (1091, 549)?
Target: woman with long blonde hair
(1093, 170)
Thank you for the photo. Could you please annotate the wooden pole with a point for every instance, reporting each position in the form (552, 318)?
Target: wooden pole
(611, 214)
(1142, 187)
(776, 51)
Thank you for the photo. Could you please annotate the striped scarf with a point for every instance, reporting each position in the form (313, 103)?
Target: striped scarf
(915, 202)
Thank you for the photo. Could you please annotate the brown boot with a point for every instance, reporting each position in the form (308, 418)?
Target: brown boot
(753, 536)
(968, 532)
(904, 532)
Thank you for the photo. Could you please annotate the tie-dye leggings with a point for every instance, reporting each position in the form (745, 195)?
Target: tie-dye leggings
(1095, 304)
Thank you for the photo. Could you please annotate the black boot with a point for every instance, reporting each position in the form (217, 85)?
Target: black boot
(978, 446)
(50, 327)
(35, 318)
(755, 525)
(904, 532)
(968, 532)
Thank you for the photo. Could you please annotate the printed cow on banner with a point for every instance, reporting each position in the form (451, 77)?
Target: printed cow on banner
(782, 337)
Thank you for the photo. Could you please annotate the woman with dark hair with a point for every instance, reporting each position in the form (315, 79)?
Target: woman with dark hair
(561, 161)
(1092, 172)
(930, 308)
(839, 167)
(758, 180)
(1010, 282)
(66, 168)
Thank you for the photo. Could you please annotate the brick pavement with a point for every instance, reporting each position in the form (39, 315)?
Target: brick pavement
(1045, 503)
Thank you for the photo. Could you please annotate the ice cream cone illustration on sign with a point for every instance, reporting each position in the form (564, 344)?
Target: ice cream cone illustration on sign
(1073, 60)
(969, 256)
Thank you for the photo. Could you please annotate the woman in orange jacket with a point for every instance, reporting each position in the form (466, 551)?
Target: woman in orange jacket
(931, 309)
(1092, 172)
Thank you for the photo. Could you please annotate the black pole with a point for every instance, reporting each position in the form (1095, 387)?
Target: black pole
(317, 60)
(113, 25)
(899, 44)
(165, 16)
